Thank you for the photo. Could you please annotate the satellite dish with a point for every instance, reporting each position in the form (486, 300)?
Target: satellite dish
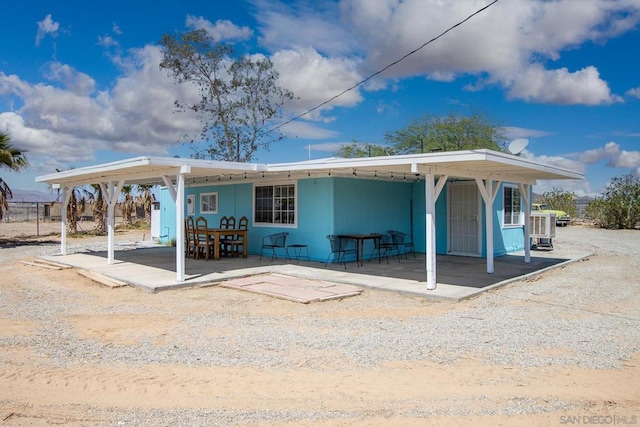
(518, 145)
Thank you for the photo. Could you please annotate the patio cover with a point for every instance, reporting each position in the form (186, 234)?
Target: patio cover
(488, 168)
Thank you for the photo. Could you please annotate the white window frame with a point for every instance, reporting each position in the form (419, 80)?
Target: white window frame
(202, 204)
(295, 206)
(519, 217)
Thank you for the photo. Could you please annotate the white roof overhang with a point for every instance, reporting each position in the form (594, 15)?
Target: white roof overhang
(471, 164)
(483, 164)
(145, 170)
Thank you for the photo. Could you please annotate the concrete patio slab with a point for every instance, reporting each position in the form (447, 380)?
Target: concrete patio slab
(153, 269)
(292, 288)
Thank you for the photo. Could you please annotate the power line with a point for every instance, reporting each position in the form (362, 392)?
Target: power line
(385, 68)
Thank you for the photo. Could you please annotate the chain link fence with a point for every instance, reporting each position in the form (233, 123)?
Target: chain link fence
(28, 219)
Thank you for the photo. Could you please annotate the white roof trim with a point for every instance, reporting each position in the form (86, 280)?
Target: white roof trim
(485, 164)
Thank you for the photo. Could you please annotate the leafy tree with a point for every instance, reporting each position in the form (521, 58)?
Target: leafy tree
(146, 199)
(619, 207)
(239, 95)
(448, 133)
(11, 158)
(433, 133)
(357, 149)
(558, 199)
(128, 205)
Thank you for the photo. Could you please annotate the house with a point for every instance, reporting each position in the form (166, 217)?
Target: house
(472, 202)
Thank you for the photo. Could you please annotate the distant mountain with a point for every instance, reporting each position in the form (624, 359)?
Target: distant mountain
(32, 196)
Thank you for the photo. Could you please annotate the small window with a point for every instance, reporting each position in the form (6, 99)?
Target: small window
(275, 204)
(209, 203)
(512, 206)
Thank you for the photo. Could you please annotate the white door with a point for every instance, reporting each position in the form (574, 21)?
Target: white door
(464, 231)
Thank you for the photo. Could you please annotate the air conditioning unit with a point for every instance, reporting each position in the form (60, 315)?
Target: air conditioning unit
(543, 229)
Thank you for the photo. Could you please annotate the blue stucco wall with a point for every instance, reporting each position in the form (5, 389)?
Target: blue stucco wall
(332, 205)
(419, 218)
(509, 238)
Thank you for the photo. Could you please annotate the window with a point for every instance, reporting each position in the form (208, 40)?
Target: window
(275, 204)
(208, 203)
(512, 206)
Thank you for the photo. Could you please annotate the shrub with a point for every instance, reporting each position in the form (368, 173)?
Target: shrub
(620, 206)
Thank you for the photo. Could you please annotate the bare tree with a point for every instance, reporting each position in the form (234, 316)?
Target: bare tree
(239, 95)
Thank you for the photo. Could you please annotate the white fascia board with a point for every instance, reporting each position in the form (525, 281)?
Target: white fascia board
(440, 160)
(532, 164)
(142, 168)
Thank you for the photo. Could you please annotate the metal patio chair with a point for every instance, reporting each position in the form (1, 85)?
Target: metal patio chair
(273, 242)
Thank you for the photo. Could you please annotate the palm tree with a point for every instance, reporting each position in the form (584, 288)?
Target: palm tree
(146, 199)
(76, 205)
(98, 205)
(128, 204)
(11, 158)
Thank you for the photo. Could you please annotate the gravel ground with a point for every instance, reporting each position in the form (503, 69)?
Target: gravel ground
(583, 315)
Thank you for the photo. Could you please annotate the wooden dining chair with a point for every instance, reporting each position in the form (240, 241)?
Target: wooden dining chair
(203, 245)
(225, 224)
(238, 240)
(189, 238)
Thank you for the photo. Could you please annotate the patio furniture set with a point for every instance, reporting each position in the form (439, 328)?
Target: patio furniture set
(205, 242)
(343, 245)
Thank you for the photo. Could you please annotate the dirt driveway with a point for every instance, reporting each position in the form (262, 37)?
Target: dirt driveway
(559, 348)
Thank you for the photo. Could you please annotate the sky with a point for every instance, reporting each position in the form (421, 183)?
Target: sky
(80, 82)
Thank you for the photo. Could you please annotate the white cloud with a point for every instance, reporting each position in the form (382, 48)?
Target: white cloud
(221, 30)
(580, 162)
(74, 81)
(306, 130)
(509, 44)
(107, 42)
(635, 92)
(614, 156)
(299, 24)
(116, 29)
(535, 84)
(47, 27)
(70, 123)
(581, 187)
(514, 132)
(314, 78)
(609, 150)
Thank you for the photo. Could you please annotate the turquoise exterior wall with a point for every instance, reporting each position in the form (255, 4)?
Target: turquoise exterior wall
(330, 205)
(419, 218)
(509, 238)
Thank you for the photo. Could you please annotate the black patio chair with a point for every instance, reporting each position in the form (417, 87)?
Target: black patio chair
(342, 247)
(383, 246)
(273, 242)
(403, 241)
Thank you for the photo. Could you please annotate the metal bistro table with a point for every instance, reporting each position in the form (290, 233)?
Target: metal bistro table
(360, 238)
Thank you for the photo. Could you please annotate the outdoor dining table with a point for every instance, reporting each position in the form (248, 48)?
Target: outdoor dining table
(359, 239)
(217, 233)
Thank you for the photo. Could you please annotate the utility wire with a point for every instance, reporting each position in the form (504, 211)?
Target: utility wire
(385, 68)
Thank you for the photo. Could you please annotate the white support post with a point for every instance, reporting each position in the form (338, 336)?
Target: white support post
(488, 196)
(525, 191)
(430, 229)
(66, 196)
(179, 201)
(111, 192)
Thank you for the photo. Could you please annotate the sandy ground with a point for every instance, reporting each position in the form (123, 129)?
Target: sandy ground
(39, 386)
